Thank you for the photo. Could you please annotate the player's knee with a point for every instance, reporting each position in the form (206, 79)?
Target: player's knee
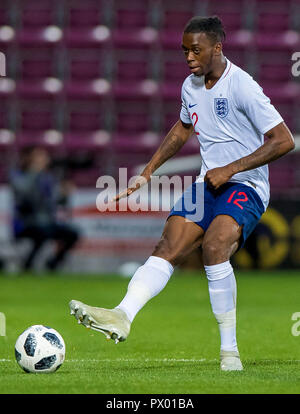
(213, 248)
(209, 250)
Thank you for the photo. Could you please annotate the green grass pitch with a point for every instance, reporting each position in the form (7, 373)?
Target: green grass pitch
(173, 347)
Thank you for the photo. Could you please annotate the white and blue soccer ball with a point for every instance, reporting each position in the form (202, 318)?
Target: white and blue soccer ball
(40, 349)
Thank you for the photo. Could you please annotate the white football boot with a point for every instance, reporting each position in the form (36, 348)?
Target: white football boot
(230, 361)
(113, 323)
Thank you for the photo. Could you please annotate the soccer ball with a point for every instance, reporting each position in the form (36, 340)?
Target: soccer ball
(40, 349)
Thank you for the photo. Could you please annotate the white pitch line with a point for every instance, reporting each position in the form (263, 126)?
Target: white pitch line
(159, 360)
(170, 360)
(130, 360)
(140, 360)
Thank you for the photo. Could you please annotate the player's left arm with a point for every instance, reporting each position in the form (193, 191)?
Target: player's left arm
(280, 142)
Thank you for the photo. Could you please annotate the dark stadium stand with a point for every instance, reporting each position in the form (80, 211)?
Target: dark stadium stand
(105, 75)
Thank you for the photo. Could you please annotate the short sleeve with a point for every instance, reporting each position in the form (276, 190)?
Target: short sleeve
(184, 114)
(255, 104)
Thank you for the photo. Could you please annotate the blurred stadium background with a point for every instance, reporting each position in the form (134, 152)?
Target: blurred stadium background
(97, 83)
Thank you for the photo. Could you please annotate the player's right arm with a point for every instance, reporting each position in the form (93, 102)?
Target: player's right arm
(172, 143)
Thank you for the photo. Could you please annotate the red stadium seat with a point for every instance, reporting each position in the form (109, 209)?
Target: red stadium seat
(36, 69)
(7, 149)
(141, 38)
(174, 67)
(38, 116)
(232, 21)
(86, 123)
(272, 66)
(174, 14)
(279, 176)
(283, 171)
(131, 14)
(37, 119)
(239, 40)
(236, 48)
(170, 118)
(233, 13)
(268, 22)
(134, 70)
(131, 18)
(274, 16)
(170, 90)
(87, 177)
(5, 13)
(146, 142)
(145, 90)
(237, 57)
(170, 39)
(287, 92)
(41, 13)
(170, 112)
(36, 64)
(83, 117)
(270, 72)
(133, 65)
(287, 41)
(134, 114)
(8, 104)
(6, 115)
(86, 64)
(93, 37)
(87, 89)
(286, 111)
(50, 139)
(47, 37)
(83, 14)
(176, 19)
(284, 96)
(81, 69)
(87, 140)
(49, 88)
(132, 122)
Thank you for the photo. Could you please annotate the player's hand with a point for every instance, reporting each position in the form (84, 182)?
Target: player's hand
(138, 183)
(218, 176)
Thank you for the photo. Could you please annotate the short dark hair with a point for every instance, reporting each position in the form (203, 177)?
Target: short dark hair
(212, 26)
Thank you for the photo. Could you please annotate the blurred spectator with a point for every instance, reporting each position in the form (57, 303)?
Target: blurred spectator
(37, 196)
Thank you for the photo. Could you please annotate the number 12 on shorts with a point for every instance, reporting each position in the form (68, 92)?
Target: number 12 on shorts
(236, 201)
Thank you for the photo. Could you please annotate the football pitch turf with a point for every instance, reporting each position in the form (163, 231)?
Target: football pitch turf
(173, 347)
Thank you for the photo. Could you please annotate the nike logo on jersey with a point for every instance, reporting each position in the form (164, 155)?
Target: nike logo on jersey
(191, 106)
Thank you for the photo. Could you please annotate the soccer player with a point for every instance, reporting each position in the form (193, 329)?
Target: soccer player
(230, 115)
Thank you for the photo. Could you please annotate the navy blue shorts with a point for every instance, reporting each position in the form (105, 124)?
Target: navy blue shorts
(202, 204)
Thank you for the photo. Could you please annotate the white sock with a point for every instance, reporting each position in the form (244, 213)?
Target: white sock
(222, 292)
(146, 283)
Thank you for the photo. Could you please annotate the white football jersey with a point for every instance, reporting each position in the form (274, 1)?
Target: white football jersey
(230, 121)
